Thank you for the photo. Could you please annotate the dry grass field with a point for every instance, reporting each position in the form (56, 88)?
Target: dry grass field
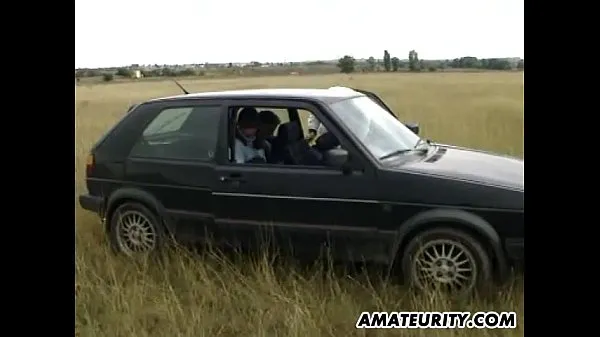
(209, 296)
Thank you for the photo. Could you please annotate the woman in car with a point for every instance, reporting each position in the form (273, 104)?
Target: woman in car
(248, 147)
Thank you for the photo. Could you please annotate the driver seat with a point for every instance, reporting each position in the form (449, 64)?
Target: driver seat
(296, 150)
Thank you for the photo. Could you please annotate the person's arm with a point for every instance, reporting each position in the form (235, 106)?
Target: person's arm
(238, 153)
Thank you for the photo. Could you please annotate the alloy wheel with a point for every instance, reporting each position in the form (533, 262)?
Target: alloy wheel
(446, 265)
(135, 233)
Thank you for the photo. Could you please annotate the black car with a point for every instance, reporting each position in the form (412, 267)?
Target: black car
(369, 190)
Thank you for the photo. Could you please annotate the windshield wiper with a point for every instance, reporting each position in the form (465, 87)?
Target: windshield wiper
(422, 141)
(415, 148)
(395, 153)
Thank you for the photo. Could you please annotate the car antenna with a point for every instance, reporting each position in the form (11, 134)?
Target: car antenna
(181, 87)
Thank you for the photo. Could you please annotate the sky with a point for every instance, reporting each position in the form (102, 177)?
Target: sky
(123, 32)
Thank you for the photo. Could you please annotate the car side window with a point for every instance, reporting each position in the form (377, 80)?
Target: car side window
(280, 139)
(181, 133)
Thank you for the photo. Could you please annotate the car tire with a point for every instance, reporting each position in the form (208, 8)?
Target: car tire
(460, 266)
(135, 230)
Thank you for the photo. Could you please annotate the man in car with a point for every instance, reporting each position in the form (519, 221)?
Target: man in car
(248, 147)
(268, 123)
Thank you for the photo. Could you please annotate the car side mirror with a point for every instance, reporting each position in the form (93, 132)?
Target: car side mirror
(338, 158)
(414, 127)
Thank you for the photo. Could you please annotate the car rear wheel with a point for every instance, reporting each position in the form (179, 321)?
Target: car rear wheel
(448, 260)
(135, 230)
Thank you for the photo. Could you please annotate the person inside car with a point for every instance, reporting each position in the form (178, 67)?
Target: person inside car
(315, 128)
(268, 123)
(248, 147)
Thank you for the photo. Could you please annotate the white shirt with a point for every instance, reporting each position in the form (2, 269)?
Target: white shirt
(244, 153)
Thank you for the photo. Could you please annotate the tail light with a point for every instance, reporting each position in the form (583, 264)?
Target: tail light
(89, 165)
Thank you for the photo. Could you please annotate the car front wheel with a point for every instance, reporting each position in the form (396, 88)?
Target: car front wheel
(446, 259)
(134, 230)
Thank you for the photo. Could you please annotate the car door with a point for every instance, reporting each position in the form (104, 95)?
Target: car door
(173, 160)
(306, 210)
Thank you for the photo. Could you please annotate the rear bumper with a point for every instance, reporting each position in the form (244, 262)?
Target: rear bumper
(92, 203)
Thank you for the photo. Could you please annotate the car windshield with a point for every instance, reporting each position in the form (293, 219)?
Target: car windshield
(378, 131)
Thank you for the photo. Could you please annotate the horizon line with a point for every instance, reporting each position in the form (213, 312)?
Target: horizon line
(305, 61)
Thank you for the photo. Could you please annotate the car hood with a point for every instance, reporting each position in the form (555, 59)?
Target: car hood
(472, 165)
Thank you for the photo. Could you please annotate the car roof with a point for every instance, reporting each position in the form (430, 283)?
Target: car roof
(329, 95)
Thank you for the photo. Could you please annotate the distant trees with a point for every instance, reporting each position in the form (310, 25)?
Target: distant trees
(415, 64)
(413, 61)
(87, 73)
(124, 72)
(387, 61)
(346, 64)
(395, 63)
(371, 64)
(470, 62)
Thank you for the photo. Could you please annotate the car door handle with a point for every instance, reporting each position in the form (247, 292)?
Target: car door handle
(232, 178)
